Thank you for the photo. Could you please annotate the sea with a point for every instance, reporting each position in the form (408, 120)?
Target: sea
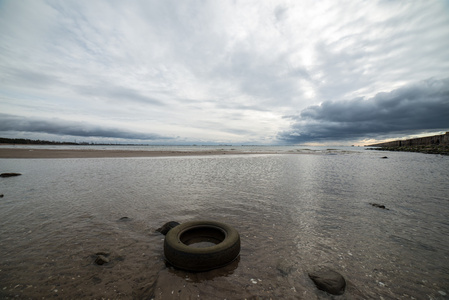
(296, 209)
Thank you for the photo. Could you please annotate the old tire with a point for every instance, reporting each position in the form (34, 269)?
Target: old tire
(222, 245)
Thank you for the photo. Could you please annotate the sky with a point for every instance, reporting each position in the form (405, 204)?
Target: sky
(224, 72)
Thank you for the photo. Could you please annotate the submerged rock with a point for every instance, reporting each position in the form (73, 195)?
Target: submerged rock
(379, 206)
(328, 280)
(285, 267)
(9, 174)
(167, 226)
(101, 258)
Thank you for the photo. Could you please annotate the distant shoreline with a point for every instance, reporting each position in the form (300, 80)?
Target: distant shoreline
(435, 144)
(93, 153)
(427, 149)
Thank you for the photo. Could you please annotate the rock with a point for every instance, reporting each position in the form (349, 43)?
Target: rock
(285, 267)
(328, 280)
(384, 157)
(101, 258)
(1, 195)
(9, 174)
(124, 219)
(379, 206)
(167, 226)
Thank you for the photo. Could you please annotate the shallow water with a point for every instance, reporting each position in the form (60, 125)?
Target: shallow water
(293, 213)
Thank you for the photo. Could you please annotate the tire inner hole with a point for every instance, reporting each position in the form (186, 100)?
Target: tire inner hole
(202, 237)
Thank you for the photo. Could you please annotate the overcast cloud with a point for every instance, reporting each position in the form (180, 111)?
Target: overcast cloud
(258, 72)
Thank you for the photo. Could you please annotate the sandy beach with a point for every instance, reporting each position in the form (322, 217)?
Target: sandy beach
(83, 153)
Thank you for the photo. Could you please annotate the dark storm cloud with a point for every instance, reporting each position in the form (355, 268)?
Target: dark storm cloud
(412, 109)
(61, 127)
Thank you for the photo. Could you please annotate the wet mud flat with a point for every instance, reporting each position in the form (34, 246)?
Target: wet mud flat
(66, 267)
(63, 265)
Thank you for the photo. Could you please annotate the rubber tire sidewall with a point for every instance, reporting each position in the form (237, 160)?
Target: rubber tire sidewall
(188, 258)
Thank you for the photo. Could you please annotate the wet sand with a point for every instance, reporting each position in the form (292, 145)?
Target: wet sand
(83, 153)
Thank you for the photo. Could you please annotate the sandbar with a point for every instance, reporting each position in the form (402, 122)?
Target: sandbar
(93, 153)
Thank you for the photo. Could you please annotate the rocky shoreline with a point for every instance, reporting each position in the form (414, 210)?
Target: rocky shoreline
(435, 144)
(428, 149)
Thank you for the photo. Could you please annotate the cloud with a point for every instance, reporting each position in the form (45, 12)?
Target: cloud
(415, 108)
(29, 77)
(212, 70)
(118, 93)
(77, 129)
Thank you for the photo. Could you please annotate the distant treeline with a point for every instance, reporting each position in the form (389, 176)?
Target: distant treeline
(43, 142)
(34, 142)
